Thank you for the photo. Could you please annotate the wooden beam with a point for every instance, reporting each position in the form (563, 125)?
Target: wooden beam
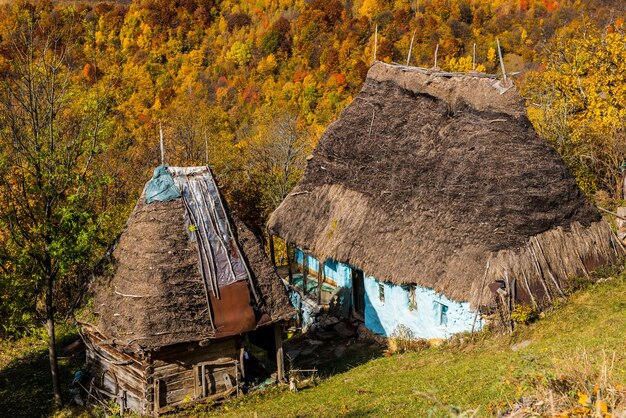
(289, 261)
(203, 377)
(215, 397)
(280, 359)
(123, 402)
(305, 271)
(320, 281)
(611, 213)
(157, 396)
(242, 369)
(197, 382)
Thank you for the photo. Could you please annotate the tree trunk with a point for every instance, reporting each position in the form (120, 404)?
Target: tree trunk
(52, 350)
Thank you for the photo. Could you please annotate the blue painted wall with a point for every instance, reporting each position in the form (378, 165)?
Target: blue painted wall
(385, 317)
(338, 272)
(312, 262)
(426, 321)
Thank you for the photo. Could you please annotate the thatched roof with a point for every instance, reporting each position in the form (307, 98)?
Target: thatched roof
(426, 177)
(154, 294)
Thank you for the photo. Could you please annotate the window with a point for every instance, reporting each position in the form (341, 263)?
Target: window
(381, 292)
(412, 299)
(441, 313)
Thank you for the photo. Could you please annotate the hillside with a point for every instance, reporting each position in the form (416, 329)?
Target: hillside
(573, 354)
(575, 351)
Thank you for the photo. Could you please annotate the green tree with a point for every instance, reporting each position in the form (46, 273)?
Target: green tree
(50, 136)
(239, 53)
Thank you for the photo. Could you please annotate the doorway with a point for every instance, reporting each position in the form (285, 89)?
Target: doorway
(358, 294)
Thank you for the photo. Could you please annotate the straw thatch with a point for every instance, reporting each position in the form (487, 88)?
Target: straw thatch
(154, 296)
(425, 178)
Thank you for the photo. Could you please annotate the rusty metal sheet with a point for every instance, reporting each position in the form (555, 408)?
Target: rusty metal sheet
(232, 312)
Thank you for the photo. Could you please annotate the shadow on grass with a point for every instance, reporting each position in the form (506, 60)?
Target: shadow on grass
(25, 384)
(355, 355)
(330, 353)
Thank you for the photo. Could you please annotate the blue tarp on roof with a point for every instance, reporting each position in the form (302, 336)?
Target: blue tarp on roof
(161, 188)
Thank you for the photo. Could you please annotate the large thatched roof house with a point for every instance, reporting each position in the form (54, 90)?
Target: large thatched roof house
(431, 197)
(187, 279)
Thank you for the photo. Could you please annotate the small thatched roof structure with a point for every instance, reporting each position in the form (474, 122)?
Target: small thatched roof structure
(426, 177)
(155, 294)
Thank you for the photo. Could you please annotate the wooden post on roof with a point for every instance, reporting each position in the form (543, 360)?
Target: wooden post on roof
(280, 359)
(501, 60)
(375, 41)
(272, 254)
(474, 58)
(206, 149)
(161, 143)
(408, 58)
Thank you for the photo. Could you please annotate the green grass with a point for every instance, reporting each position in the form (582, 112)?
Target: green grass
(484, 376)
(481, 375)
(25, 384)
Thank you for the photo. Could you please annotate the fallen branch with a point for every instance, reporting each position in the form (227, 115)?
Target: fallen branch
(128, 296)
(611, 213)
(297, 193)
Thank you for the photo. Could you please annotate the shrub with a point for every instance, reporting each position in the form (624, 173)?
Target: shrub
(403, 340)
(523, 314)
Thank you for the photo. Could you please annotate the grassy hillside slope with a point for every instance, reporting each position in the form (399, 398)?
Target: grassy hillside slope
(568, 360)
(25, 385)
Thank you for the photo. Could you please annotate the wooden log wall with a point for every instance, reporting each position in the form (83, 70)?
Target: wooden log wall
(116, 375)
(172, 376)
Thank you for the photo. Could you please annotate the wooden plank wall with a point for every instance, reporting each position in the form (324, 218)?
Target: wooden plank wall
(116, 375)
(178, 372)
(164, 378)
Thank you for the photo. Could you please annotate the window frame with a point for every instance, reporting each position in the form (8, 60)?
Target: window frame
(441, 312)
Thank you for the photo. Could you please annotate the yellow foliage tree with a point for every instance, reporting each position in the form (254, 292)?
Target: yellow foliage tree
(579, 104)
(464, 65)
(370, 8)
